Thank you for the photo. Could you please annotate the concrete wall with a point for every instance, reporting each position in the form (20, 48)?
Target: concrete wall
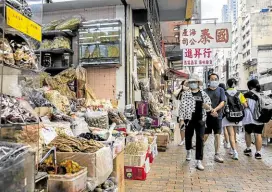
(261, 27)
(264, 63)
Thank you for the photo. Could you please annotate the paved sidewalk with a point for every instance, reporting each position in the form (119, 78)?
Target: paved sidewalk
(170, 172)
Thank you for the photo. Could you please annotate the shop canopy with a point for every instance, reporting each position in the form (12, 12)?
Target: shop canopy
(177, 73)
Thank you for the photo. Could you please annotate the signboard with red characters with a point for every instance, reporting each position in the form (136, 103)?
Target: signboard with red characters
(197, 57)
(205, 36)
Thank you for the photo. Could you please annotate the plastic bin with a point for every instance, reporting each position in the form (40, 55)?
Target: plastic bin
(68, 183)
(17, 172)
(135, 173)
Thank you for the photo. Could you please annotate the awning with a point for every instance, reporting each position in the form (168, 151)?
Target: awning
(178, 73)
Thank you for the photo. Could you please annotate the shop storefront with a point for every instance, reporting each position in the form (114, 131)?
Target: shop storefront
(68, 119)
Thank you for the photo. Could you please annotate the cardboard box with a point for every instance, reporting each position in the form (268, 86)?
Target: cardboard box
(118, 168)
(162, 139)
(99, 164)
(135, 160)
(267, 132)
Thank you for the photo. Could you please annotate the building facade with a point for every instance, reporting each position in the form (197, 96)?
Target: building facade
(251, 42)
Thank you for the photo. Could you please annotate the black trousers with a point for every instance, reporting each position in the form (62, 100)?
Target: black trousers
(199, 128)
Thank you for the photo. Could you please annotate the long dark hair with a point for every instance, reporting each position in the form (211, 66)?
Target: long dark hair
(254, 84)
(181, 91)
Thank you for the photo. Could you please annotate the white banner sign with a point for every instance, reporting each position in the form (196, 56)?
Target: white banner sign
(197, 57)
(205, 36)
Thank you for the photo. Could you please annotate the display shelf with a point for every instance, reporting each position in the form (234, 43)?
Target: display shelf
(53, 33)
(55, 51)
(109, 61)
(24, 70)
(102, 65)
(102, 43)
(54, 70)
(17, 126)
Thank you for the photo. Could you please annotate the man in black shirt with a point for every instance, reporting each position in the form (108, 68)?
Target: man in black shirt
(214, 118)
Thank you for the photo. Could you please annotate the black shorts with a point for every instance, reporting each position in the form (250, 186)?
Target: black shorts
(213, 124)
(252, 128)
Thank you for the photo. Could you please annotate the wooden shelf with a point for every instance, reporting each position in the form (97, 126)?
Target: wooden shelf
(55, 51)
(67, 33)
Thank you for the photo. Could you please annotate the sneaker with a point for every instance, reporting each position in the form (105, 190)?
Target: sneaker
(231, 152)
(188, 156)
(199, 165)
(218, 159)
(235, 156)
(248, 152)
(181, 143)
(258, 156)
(226, 145)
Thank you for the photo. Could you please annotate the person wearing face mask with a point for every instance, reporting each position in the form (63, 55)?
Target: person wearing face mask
(193, 112)
(214, 118)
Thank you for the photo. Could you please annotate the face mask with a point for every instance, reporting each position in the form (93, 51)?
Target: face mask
(214, 84)
(193, 86)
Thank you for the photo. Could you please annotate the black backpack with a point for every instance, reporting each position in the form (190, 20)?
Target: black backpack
(234, 110)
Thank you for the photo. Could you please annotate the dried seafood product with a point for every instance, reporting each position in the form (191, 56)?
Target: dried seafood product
(97, 119)
(24, 56)
(135, 148)
(6, 53)
(71, 23)
(52, 25)
(38, 99)
(61, 102)
(113, 51)
(13, 112)
(114, 117)
(65, 143)
(61, 43)
(46, 44)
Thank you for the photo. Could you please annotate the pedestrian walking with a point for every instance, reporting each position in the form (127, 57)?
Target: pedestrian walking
(214, 118)
(233, 113)
(226, 135)
(193, 113)
(252, 125)
(182, 89)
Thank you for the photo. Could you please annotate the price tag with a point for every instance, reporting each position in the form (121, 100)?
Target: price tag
(17, 21)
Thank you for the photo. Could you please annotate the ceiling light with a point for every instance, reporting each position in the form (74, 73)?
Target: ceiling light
(177, 35)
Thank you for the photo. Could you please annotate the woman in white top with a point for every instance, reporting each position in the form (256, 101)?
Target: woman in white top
(251, 125)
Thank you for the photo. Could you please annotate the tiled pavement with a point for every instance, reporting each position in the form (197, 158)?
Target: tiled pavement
(171, 173)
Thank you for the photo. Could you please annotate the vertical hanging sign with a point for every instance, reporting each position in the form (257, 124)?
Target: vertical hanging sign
(17, 21)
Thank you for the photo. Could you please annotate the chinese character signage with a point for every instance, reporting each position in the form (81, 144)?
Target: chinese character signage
(205, 36)
(23, 24)
(197, 57)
